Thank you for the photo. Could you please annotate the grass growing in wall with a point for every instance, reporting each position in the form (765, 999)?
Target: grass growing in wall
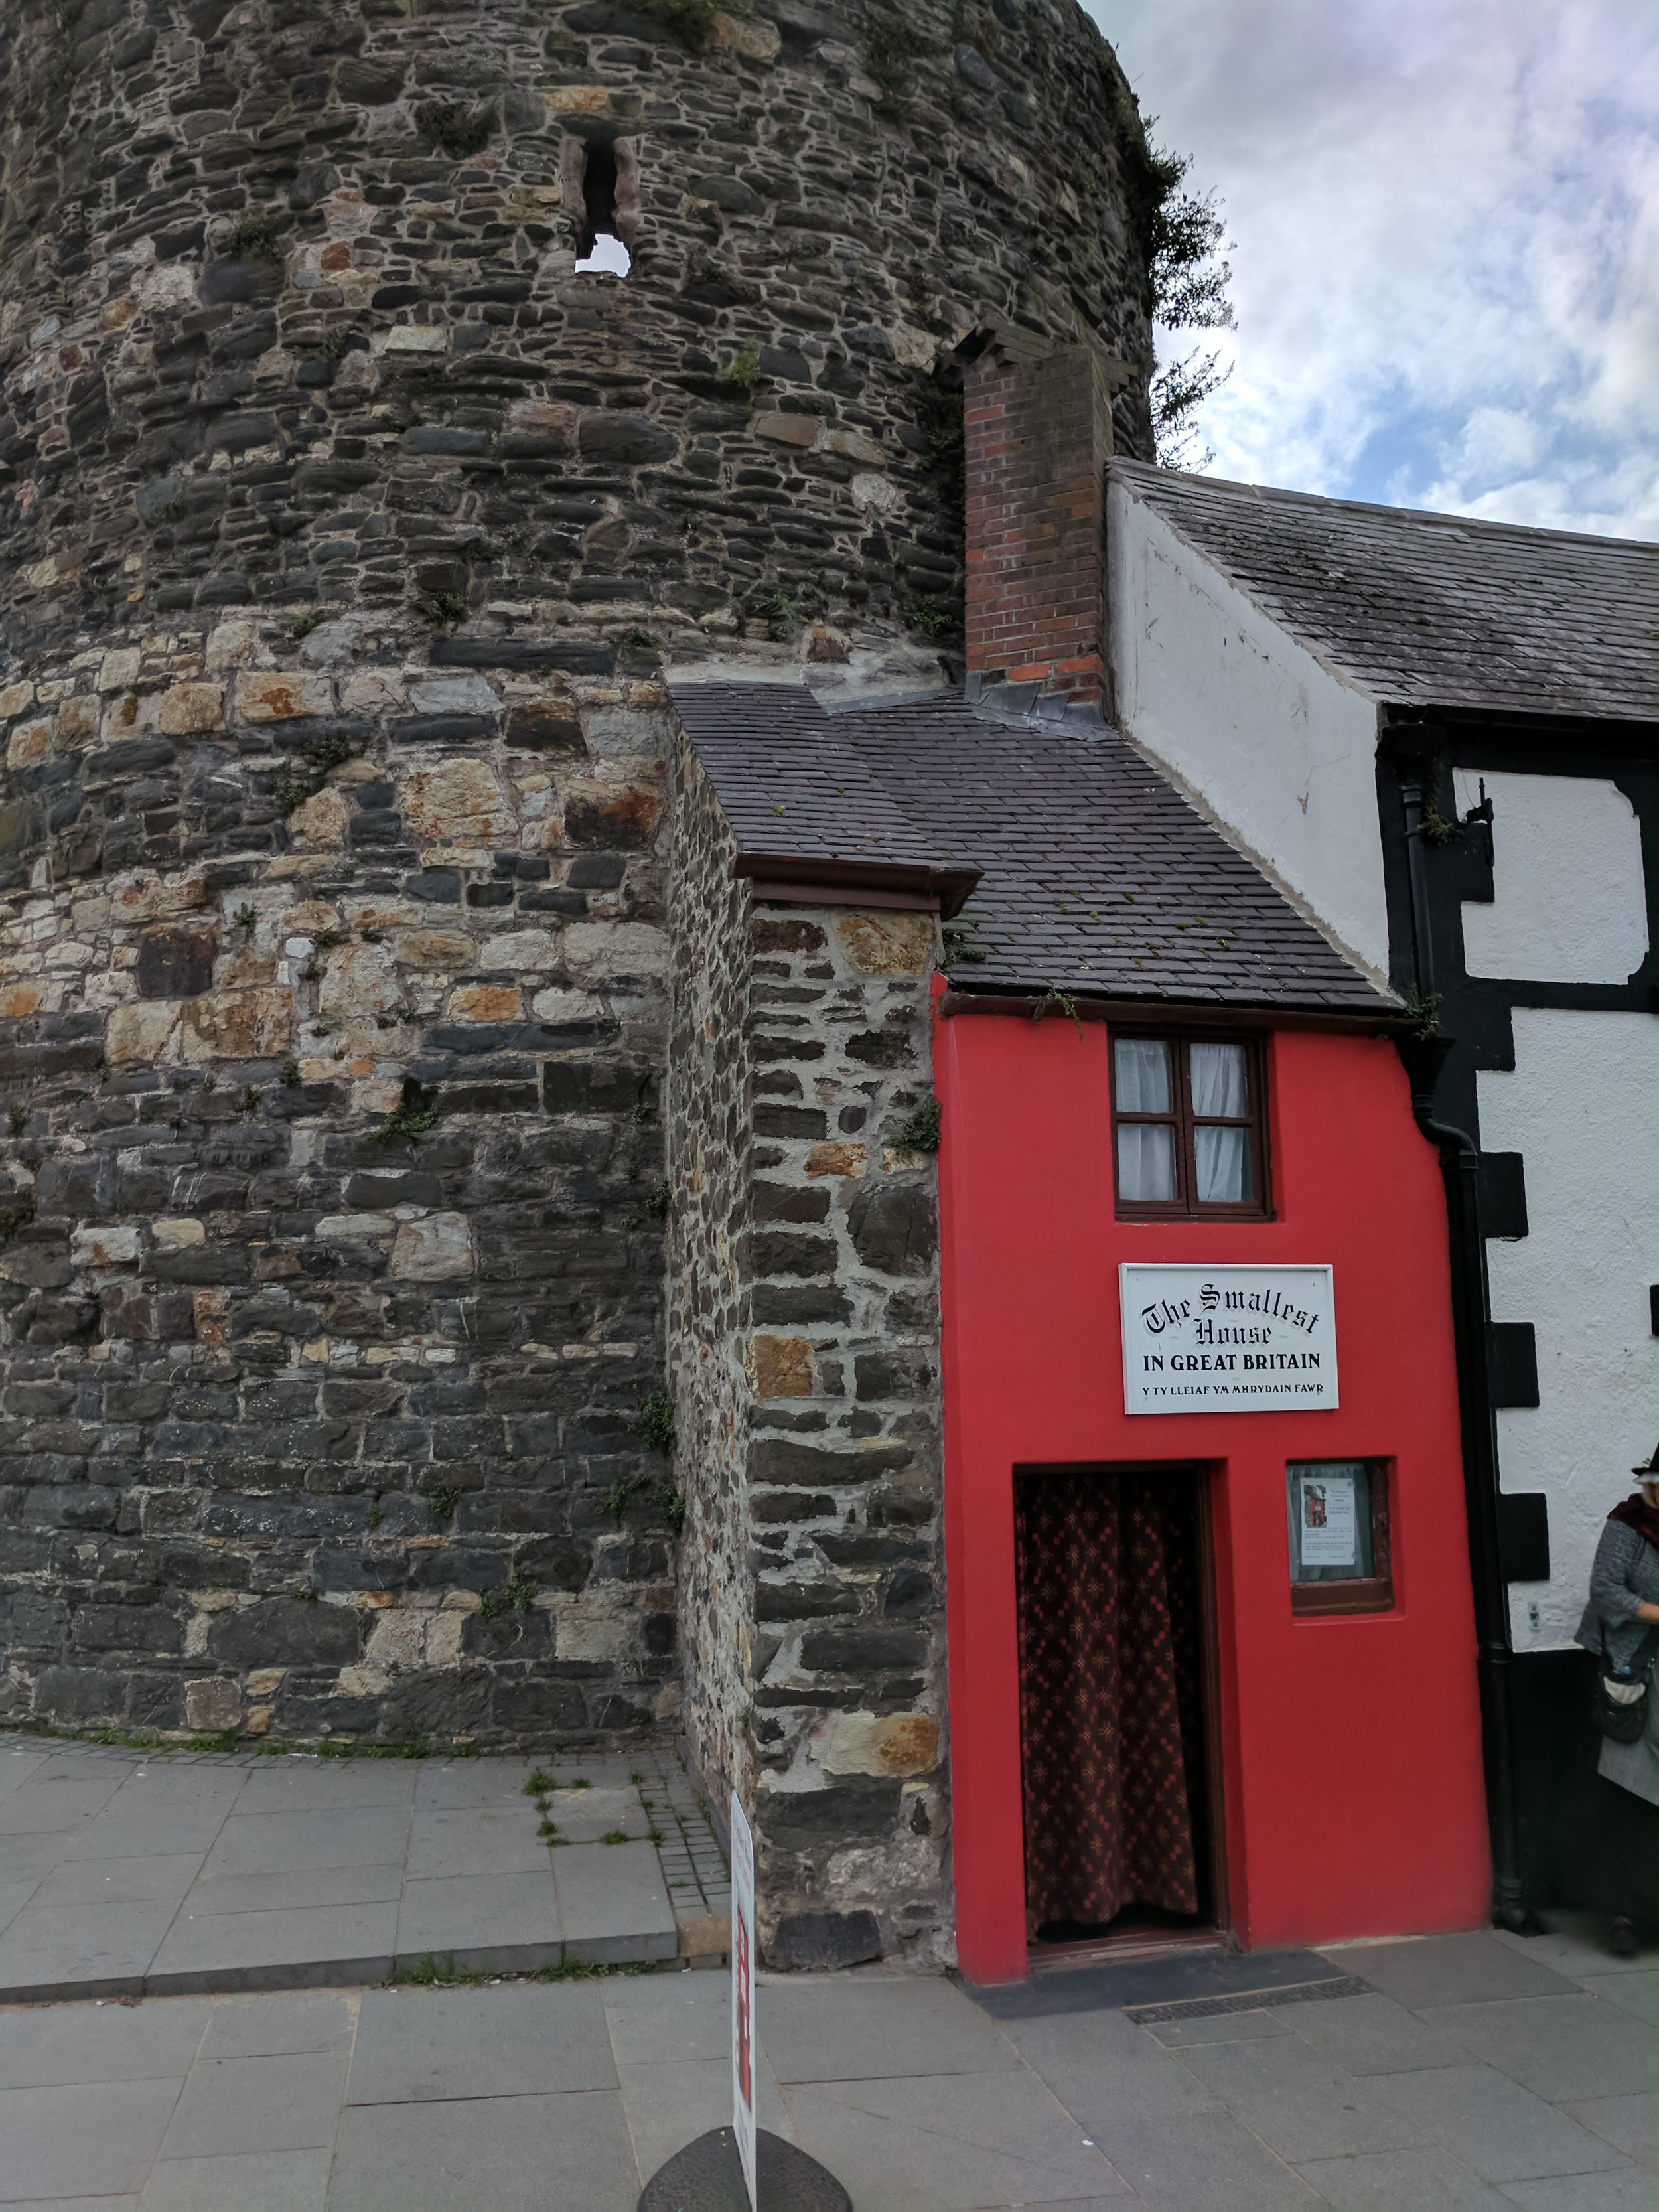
(655, 1423)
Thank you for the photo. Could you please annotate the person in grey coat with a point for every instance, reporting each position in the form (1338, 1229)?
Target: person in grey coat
(1621, 1624)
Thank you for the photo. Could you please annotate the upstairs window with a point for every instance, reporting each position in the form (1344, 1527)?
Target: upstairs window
(1189, 1135)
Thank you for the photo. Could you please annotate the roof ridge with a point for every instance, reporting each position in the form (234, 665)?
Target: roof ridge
(1123, 465)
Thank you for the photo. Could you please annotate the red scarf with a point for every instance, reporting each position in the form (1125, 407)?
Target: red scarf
(1636, 1513)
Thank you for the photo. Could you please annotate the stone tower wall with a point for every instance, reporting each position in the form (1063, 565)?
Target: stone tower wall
(346, 530)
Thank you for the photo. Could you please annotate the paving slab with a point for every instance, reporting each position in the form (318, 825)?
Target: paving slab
(1630, 2124)
(15, 1893)
(476, 1839)
(1105, 2070)
(299, 1842)
(303, 1948)
(1207, 2162)
(415, 2045)
(669, 2104)
(664, 2019)
(856, 2026)
(585, 1816)
(1428, 1971)
(266, 2103)
(1374, 2034)
(253, 2181)
(62, 2141)
(16, 1766)
(1498, 2130)
(334, 1785)
(613, 1903)
(32, 1856)
(212, 1893)
(1560, 2048)
(946, 2142)
(492, 1924)
(63, 1950)
(274, 2024)
(455, 1783)
(510, 2153)
(1403, 2181)
(118, 1832)
(51, 2046)
(50, 1801)
(119, 1880)
(1628, 2189)
(1634, 1993)
(1301, 2105)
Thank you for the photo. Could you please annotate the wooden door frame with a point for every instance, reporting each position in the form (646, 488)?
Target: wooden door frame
(1203, 1473)
(1215, 1775)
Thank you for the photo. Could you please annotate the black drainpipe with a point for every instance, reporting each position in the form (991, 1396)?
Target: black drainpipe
(1460, 1165)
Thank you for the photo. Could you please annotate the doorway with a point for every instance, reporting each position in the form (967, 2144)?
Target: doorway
(1115, 1671)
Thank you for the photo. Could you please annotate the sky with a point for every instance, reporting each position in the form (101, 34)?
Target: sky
(1445, 227)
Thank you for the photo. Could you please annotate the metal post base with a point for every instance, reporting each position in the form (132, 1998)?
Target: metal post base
(706, 2177)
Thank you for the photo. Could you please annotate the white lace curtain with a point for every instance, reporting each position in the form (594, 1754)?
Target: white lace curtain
(1221, 1157)
(1145, 1150)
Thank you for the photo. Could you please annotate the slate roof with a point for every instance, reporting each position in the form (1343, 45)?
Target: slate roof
(1095, 876)
(1432, 609)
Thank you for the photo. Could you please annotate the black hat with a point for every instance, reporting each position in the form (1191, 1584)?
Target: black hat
(1651, 1470)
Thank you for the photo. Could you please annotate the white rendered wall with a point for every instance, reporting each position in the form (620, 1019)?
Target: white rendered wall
(1282, 751)
(1582, 1108)
(1570, 903)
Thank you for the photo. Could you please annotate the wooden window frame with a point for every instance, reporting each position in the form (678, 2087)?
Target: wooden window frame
(1185, 1206)
(1372, 1593)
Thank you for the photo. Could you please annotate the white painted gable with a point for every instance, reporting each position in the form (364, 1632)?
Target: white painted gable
(1280, 751)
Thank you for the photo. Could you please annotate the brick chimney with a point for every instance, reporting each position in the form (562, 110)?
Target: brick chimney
(1038, 427)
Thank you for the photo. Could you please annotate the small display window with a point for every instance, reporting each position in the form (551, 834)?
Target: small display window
(1341, 1558)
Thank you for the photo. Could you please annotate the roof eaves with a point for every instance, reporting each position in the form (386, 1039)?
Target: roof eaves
(802, 879)
(1253, 1011)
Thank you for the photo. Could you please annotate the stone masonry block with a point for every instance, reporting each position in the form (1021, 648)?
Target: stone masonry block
(783, 1367)
(188, 708)
(887, 944)
(262, 696)
(878, 1743)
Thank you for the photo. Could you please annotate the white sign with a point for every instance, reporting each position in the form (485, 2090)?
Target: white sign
(1328, 1528)
(743, 1992)
(1227, 1339)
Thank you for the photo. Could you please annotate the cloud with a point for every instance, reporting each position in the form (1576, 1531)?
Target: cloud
(1446, 267)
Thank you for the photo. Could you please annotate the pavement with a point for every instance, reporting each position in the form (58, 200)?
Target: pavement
(128, 1873)
(1471, 2073)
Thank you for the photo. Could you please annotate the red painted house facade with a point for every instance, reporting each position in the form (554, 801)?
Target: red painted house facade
(1347, 1750)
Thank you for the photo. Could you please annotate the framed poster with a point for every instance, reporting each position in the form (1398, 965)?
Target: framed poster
(1227, 1339)
(1341, 1548)
(1327, 1517)
(743, 1992)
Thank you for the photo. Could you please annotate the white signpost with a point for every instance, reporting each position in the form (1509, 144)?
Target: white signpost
(743, 1992)
(1227, 1339)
